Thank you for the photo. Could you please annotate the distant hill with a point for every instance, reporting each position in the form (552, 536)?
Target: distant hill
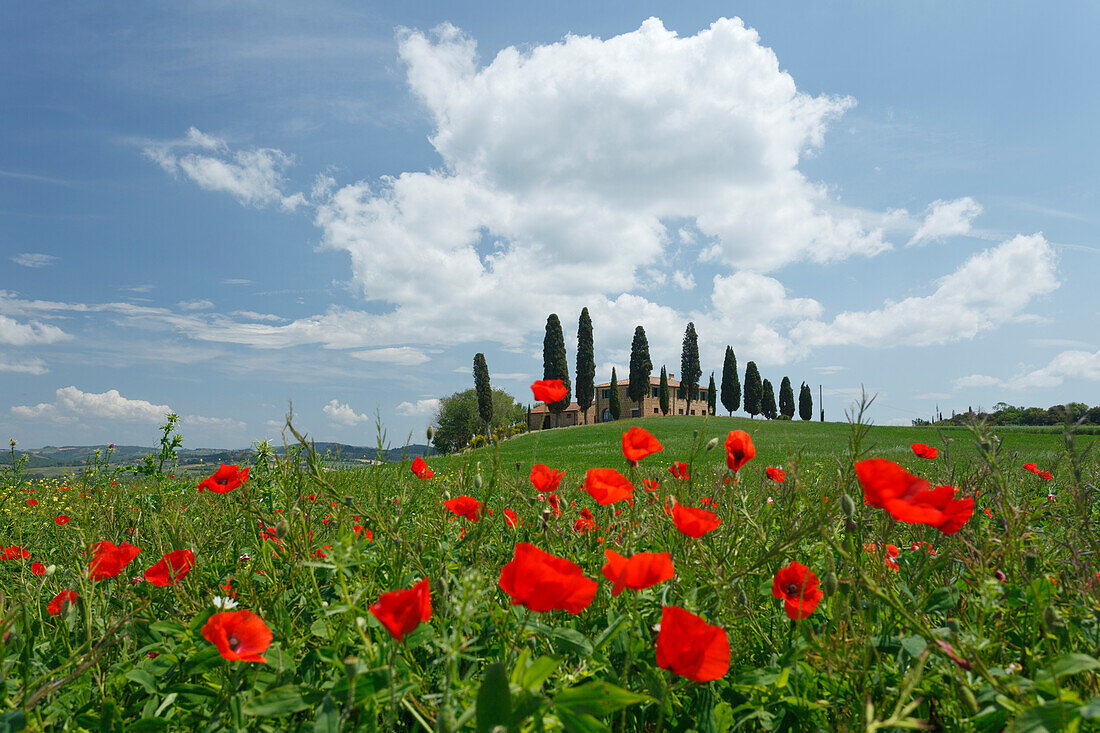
(75, 455)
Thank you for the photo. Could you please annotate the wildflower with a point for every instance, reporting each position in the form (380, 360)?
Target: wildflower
(910, 499)
(224, 602)
(38, 568)
(544, 582)
(225, 479)
(1042, 474)
(690, 647)
(650, 484)
(239, 635)
(14, 553)
(771, 500)
(57, 605)
(464, 506)
(108, 559)
(32, 502)
(679, 470)
(549, 390)
(359, 531)
(988, 513)
(739, 449)
(555, 504)
(544, 478)
(420, 468)
(173, 567)
(640, 570)
(920, 450)
(401, 611)
(585, 522)
(639, 443)
(694, 522)
(607, 486)
(62, 519)
(707, 501)
(889, 558)
(918, 545)
(1034, 468)
(511, 519)
(776, 474)
(797, 585)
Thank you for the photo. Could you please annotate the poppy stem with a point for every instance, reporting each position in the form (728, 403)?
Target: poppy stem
(516, 639)
(393, 687)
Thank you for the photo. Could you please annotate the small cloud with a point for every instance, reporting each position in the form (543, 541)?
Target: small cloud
(34, 259)
(236, 281)
(194, 305)
(22, 334)
(932, 396)
(254, 316)
(140, 288)
(72, 404)
(403, 355)
(976, 381)
(829, 369)
(946, 219)
(24, 366)
(420, 407)
(343, 414)
(683, 281)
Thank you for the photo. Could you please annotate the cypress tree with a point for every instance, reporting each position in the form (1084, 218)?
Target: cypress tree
(689, 365)
(731, 384)
(554, 365)
(767, 401)
(712, 398)
(640, 368)
(586, 364)
(752, 389)
(615, 406)
(786, 398)
(484, 391)
(805, 403)
(662, 392)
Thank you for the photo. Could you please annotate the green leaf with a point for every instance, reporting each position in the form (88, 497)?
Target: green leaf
(571, 640)
(1092, 710)
(609, 633)
(168, 700)
(278, 701)
(320, 628)
(539, 671)
(1072, 664)
(942, 599)
(13, 721)
(494, 699)
(148, 724)
(596, 698)
(205, 658)
(143, 678)
(168, 628)
(581, 723)
(914, 645)
(1051, 717)
(328, 717)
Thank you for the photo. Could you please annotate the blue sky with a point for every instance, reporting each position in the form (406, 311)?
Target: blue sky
(220, 209)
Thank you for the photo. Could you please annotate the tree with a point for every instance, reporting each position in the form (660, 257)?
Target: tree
(712, 398)
(805, 402)
(767, 401)
(662, 391)
(731, 385)
(554, 365)
(456, 421)
(689, 365)
(484, 391)
(786, 398)
(586, 365)
(753, 389)
(615, 406)
(640, 368)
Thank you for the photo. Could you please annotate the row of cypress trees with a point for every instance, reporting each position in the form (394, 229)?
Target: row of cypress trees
(759, 394)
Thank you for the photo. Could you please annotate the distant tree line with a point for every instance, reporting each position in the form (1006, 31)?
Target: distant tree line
(1006, 414)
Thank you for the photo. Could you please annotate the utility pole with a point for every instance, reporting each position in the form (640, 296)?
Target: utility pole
(820, 404)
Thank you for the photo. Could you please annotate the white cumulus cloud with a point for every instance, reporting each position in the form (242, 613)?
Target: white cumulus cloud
(72, 404)
(34, 259)
(1068, 365)
(946, 219)
(403, 355)
(420, 407)
(27, 365)
(343, 414)
(22, 334)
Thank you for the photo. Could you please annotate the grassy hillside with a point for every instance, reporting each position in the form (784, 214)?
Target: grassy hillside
(817, 445)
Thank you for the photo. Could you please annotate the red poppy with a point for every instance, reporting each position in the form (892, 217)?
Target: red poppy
(639, 443)
(32, 502)
(401, 611)
(956, 512)
(1045, 474)
(690, 647)
(694, 522)
(889, 559)
(920, 450)
(38, 568)
(549, 390)
(420, 468)
(358, 529)
(172, 567)
(679, 470)
(650, 484)
(607, 486)
(62, 519)
(58, 603)
(108, 559)
(544, 582)
(797, 585)
(511, 519)
(911, 499)
(225, 479)
(241, 636)
(585, 522)
(14, 553)
(739, 449)
(464, 506)
(1032, 467)
(776, 474)
(545, 478)
(640, 570)
(707, 501)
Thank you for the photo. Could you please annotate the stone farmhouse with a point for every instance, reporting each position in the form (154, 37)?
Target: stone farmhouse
(540, 417)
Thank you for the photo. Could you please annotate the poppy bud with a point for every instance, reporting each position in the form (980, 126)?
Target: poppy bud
(847, 505)
(971, 701)
(519, 468)
(282, 529)
(478, 481)
(712, 443)
(850, 526)
(546, 514)
(349, 500)
(831, 584)
(351, 664)
(1000, 575)
(429, 432)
